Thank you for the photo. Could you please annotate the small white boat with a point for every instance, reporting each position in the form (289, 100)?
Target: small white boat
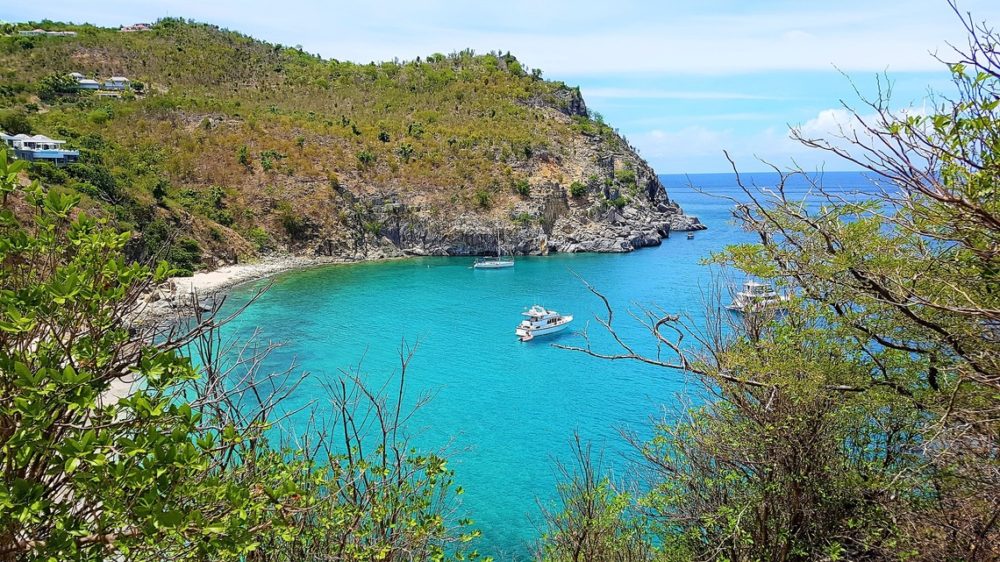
(690, 236)
(756, 297)
(490, 262)
(541, 322)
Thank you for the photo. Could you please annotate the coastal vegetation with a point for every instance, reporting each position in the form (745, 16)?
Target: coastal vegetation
(860, 424)
(130, 442)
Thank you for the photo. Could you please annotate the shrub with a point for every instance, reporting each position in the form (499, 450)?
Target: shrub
(268, 157)
(524, 219)
(294, 224)
(159, 190)
(482, 198)
(243, 154)
(405, 152)
(366, 158)
(185, 255)
(522, 187)
(15, 123)
(100, 177)
(48, 173)
(577, 189)
(625, 176)
(56, 84)
(259, 238)
(85, 187)
(99, 116)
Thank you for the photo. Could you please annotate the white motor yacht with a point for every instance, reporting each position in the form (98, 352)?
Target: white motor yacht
(756, 297)
(541, 322)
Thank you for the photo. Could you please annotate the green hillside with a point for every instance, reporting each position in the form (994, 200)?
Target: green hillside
(229, 146)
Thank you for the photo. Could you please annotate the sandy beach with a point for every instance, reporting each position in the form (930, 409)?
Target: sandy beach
(172, 300)
(206, 283)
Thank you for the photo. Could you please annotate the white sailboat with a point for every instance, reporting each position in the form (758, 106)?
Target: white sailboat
(490, 262)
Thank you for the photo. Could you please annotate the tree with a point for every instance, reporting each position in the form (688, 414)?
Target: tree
(89, 468)
(861, 424)
(595, 521)
(183, 464)
(56, 84)
(15, 123)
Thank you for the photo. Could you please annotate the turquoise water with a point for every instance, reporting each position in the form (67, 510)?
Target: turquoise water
(503, 409)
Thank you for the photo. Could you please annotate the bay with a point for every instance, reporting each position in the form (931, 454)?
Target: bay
(504, 410)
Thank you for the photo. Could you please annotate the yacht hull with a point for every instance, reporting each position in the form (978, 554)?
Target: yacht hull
(531, 333)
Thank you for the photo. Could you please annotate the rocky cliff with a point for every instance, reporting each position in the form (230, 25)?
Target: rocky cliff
(594, 195)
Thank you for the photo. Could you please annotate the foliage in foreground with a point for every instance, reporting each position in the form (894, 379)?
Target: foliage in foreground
(862, 424)
(180, 467)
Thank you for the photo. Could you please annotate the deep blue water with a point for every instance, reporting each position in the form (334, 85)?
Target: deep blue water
(503, 409)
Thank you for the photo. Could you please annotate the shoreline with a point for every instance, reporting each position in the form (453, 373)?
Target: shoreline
(171, 300)
(206, 283)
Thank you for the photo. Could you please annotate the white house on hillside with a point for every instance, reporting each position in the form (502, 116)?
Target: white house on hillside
(136, 27)
(39, 148)
(116, 83)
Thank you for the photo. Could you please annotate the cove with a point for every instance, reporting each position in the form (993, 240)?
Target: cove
(503, 410)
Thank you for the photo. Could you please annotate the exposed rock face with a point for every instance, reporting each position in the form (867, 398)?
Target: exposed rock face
(586, 192)
(623, 207)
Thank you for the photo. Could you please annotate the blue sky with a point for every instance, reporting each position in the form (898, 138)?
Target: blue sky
(681, 80)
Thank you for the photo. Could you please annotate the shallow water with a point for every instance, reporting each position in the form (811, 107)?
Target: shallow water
(504, 409)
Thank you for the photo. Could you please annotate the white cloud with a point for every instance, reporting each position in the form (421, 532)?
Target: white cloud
(830, 123)
(837, 125)
(700, 148)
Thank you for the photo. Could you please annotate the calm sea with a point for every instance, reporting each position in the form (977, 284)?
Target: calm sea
(503, 410)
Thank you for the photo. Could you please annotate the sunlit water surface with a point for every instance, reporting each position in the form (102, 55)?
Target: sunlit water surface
(503, 409)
